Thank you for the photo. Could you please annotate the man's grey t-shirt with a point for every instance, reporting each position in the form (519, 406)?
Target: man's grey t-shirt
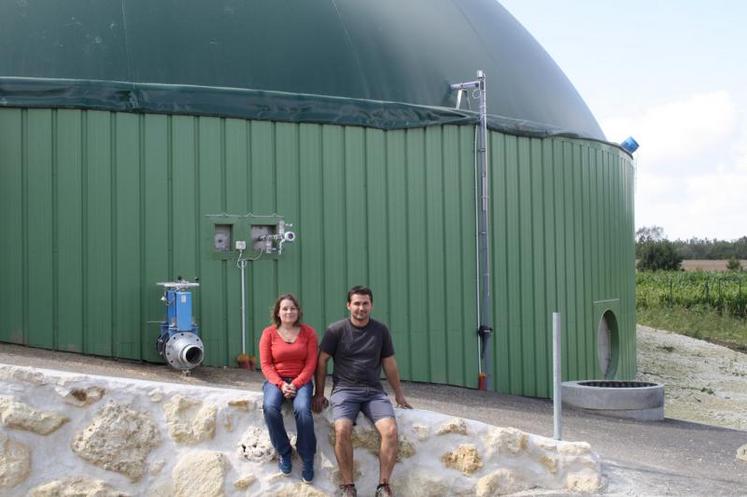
(357, 352)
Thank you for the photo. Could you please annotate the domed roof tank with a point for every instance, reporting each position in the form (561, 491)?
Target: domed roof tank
(405, 52)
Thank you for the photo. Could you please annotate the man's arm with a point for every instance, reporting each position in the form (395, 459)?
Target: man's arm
(319, 401)
(392, 375)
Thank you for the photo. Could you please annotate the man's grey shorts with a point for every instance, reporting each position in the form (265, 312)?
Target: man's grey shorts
(347, 402)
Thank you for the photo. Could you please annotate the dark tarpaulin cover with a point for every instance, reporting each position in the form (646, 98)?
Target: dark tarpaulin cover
(384, 63)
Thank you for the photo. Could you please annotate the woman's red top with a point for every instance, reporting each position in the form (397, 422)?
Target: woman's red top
(280, 359)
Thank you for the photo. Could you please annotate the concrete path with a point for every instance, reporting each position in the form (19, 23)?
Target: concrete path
(667, 458)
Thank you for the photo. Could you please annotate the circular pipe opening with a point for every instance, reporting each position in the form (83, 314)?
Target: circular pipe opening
(607, 344)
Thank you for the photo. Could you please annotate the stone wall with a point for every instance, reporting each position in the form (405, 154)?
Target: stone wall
(64, 434)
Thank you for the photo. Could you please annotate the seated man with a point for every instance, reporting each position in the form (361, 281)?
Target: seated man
(360, 346)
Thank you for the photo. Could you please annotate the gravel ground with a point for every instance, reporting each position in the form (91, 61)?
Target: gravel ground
(704, 383)
(691, 453)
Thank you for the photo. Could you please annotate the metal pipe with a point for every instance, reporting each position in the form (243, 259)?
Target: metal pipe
(242, 265)
(485, 328)
(482, 203)
(557, 378)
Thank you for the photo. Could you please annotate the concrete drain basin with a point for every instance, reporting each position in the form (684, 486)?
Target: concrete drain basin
(639, 400)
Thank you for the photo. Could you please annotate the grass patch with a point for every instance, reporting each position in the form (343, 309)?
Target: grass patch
(700, 322)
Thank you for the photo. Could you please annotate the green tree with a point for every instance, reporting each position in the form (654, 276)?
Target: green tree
(734, 264)
(655, 255)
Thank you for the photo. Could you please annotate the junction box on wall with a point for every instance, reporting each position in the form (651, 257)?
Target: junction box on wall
(256, 235)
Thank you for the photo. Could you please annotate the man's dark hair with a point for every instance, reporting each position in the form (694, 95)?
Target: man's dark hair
(360, 290)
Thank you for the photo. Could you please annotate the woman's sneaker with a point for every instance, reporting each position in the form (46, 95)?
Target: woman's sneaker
(285, 464)
(383, 490)
(307, 474)
(348, 490)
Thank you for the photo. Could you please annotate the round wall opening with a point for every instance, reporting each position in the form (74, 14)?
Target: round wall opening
(607, 344)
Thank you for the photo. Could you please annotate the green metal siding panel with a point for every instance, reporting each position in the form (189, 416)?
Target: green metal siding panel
(124, 200)
(69, 285)
(500, 288)
(218, 180)
(333, 214)
(39, 221)
(468, 264)
(98, 245)
(416, 262)
(311, 244)
(540, 310)
(288, 201)
(126, 241)
(155, 222)
(399, 288)
(453, 236)
(435, 338)
(12, 254)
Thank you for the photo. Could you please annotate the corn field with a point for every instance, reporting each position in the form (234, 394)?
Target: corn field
(725, 292)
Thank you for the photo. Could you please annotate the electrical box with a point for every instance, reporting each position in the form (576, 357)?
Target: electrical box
(262, 236)
(222, 237)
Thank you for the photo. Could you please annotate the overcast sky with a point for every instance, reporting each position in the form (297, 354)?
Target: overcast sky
(673, 74)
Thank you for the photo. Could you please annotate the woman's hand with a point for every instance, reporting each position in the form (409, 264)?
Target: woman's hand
(289, 390)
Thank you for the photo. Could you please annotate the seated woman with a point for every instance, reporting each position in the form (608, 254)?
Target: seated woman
(288, 353)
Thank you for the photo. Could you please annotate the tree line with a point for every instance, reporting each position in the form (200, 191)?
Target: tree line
(653, 251)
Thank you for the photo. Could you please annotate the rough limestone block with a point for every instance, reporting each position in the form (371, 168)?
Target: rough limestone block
(80, 397)
(504, 441)
(255, 445)
(118, 439)
(422, 483)
(299, 490)
(76, 487)
(501, 482)
(586, 481)
(244, 482)
(454, 425)
(155, 395)
(242, 404)
(228, 421)
(22, 416)
(422, 432)
(189, 421)
(465, 459)
(15, 462)
(742, 453)
(22, 375)
(200, 474)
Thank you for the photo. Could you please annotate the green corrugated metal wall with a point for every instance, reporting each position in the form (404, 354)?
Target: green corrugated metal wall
(96, 207)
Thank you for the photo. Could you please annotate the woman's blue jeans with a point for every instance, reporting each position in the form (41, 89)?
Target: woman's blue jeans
(305, 437)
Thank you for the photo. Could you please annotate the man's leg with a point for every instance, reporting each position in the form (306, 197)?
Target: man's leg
(344, 449)
(387, 428)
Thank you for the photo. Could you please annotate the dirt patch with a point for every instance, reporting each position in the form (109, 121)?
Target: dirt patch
(703, 382)
(707, 264)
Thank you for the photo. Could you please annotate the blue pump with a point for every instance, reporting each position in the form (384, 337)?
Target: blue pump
(179, 342)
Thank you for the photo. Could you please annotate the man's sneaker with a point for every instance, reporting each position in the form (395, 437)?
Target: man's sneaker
(348, 490)
(285, 464)
(383, 490)
(307, 474)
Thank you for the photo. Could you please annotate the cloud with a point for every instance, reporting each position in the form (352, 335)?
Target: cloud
(685, 134)
(692, 165)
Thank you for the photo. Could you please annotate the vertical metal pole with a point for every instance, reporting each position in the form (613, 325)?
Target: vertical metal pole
(556, 376)
(242, 265)
(486, 309)
(482, 204)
